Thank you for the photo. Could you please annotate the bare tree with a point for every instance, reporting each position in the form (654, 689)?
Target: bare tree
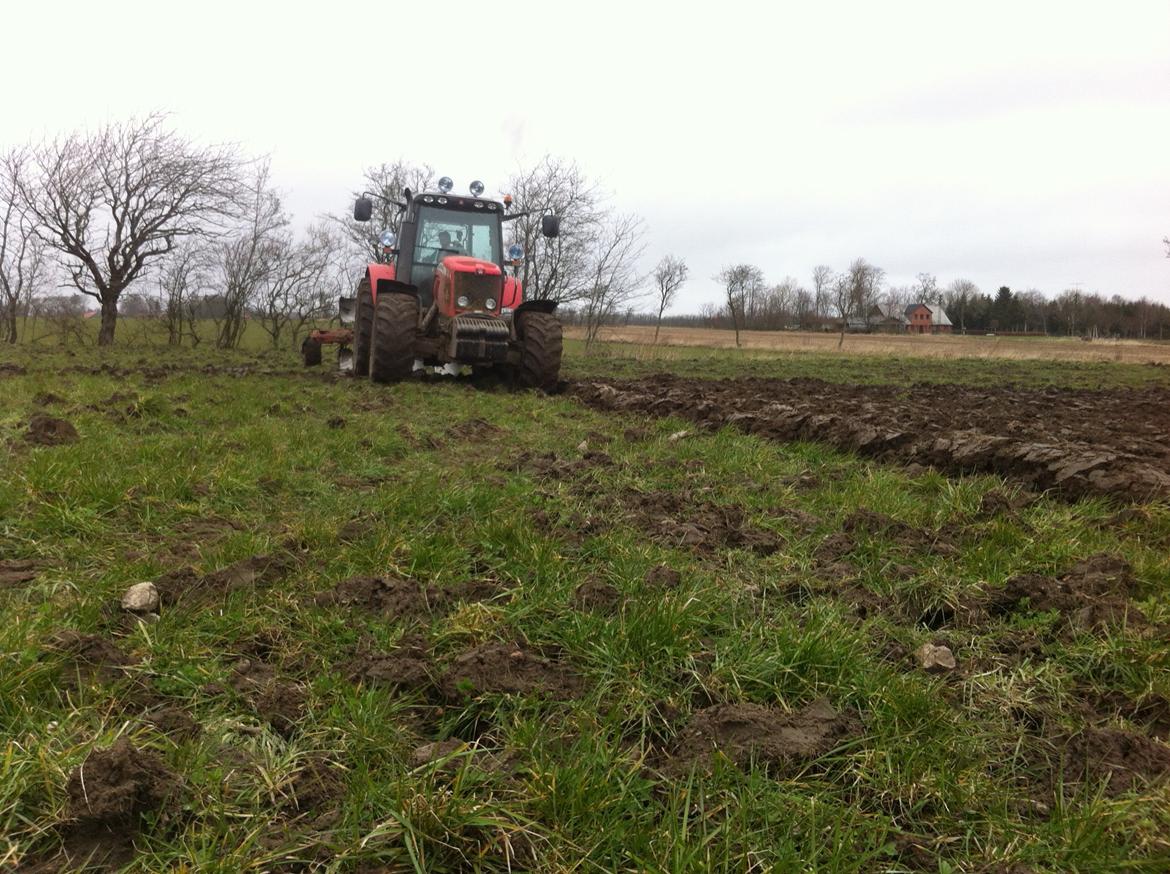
(113, 201)
(926, 288)
(669, 275)
(741, 283)
(389, 182)
(842, 292)
(246, 259)
(180, 276)
(22, 253)
(959, 295)
(823, 284)
(614, 279)
(560, 268)
(293, 293)
(865, 283)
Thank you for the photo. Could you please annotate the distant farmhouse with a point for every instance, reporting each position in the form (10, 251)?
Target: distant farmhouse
(918, 318)
(924, 318)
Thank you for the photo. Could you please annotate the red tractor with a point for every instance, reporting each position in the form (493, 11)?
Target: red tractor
(441, 296)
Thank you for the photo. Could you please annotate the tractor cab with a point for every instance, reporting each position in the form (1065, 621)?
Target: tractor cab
(436, 226)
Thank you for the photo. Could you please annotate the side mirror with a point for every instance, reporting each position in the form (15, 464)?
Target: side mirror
(550, 225)
(363, 208)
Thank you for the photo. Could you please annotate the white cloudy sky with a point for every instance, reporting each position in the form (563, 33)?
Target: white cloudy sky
(1020, 143)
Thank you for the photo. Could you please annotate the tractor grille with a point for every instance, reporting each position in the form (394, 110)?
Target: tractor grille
(479, 338)
(478, 287)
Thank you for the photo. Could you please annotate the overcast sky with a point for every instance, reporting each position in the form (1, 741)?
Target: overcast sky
(1019, 143)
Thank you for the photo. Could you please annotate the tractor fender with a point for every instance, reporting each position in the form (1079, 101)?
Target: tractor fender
(536, 306)
(382, 279)
(529, 306)
(513, 294)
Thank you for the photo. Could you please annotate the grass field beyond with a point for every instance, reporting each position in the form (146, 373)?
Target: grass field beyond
(433, 628)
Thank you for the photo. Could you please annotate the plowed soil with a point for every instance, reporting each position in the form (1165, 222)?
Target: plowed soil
(1075, 442)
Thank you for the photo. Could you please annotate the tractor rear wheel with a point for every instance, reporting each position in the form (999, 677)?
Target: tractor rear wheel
(540, 342)
(311, 352)
(392, 346)
(363, 327)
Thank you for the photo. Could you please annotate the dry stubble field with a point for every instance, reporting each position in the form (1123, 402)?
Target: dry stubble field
(655, 623)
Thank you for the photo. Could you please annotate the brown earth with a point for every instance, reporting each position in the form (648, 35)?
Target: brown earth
(1118, 760)
(753, 732)
(187, 585)
(108, 796)
(49, 431)
(407, 667)
(16, 572)
(405, 599)
(1076, 442)
(509, 668)
(90, 656)
(1094, 593)
(597, 595)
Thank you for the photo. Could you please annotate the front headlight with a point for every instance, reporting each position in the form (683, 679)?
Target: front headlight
(490, 303)
(463, 300)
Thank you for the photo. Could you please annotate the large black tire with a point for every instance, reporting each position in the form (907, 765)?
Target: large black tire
(363, 328)
(392, 348)
(311, 352)
(540, 362)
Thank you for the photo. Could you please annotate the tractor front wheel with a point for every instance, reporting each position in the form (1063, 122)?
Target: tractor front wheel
(540, 343)
(392, 347)
(363, 328)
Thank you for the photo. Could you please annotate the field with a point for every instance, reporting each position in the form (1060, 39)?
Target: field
(652, 623)
(977, 346)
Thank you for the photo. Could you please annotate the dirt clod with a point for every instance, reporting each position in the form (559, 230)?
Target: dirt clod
(316, 785)
(108, 796)
(1092, 594)
(508, 668)
(753, 732)
(597, 595)
(91, 655)
(387, 595)
(16, 572)
(49, 431)
(663, 577)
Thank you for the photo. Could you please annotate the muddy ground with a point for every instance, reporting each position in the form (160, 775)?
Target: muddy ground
(1075, 442)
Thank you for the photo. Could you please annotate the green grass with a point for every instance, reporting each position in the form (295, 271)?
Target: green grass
(940, 761)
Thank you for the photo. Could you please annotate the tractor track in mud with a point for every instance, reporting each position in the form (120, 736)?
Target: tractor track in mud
(1075, 442)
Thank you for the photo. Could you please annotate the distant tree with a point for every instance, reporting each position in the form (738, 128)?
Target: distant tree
(246, 259)
(614, 277)
(180, 275)
(114, 201)
(388, 183)
(23, 260)
(561, 268)
(823, 283)
(741, 283)
(926, 289)
(669, 275)
(1003, 311)
(958, 297)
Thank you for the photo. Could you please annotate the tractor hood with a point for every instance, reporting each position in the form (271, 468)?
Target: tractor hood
(467, 264)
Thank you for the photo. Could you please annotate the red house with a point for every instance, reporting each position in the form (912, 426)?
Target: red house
(924, 318)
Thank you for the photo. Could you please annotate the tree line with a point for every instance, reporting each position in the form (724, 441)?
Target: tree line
(134, 219)
(140, 221)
